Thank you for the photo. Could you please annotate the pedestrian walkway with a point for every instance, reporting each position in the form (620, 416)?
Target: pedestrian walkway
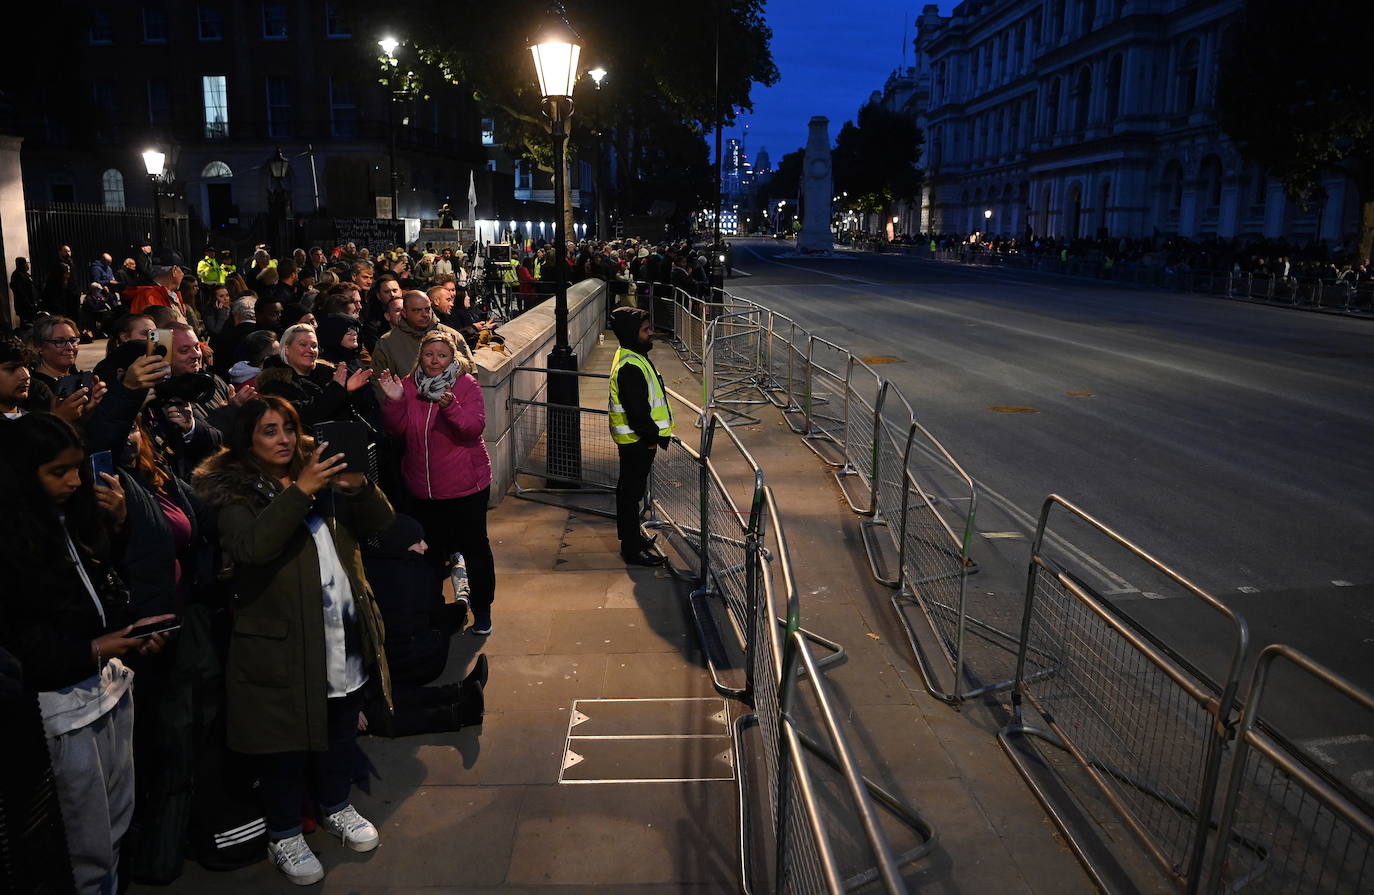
(583, 646)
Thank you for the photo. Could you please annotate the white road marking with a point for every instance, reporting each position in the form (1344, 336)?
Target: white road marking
(736, 272)
(1151, 595)
(1247, 589)
(1320, 748)
(1342, 583)
(823, 273)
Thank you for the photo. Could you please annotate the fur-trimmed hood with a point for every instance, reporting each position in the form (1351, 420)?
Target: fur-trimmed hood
(221, 480)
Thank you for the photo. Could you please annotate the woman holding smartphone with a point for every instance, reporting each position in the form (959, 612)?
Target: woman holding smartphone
(307, 634)
(68, 627)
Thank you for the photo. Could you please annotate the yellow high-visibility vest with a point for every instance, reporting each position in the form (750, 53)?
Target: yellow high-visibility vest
(659, 411)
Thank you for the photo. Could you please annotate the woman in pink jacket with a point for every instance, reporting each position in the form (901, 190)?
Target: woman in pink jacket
(438, 411)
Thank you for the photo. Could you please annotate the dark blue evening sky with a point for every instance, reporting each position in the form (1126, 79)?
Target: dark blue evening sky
(831, 55)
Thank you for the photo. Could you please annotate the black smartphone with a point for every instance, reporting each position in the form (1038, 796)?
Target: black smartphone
(68, 385)
(352, 439)
(165, 626)
(101, 462)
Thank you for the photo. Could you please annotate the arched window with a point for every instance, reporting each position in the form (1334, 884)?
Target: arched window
(216, 169)
(1188, 76)
(1056, 21)
(1083, 95)
(112, 187)
(1052, 108)
(1088, 12)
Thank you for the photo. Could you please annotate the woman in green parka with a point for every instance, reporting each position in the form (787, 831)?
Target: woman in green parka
(306, 633)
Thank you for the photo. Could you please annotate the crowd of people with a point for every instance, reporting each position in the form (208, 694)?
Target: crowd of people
(1176, 254)
(228, 540)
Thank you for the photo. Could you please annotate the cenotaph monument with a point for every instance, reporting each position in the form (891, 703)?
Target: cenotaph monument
(816, 187)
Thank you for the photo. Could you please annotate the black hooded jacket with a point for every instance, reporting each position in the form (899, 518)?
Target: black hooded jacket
(634, 391)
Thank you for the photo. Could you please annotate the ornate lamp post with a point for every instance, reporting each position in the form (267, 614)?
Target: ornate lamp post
(389, 45)
(598, 74)
(278, 197)
(556, 49)
(153, 162)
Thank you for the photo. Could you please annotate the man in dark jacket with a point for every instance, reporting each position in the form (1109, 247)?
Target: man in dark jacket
(641, 422)
(25, 295)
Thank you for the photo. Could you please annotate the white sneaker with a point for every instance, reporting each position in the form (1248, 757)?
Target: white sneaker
(356, 831)
(295, 859)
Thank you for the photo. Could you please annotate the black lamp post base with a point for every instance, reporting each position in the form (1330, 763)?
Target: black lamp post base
(564, 448)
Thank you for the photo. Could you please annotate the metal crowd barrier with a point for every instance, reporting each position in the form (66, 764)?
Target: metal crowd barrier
(1146, 727)
(807, 853)
(580, 469)
(734, 361)
(1288, 824)
(1294, 291)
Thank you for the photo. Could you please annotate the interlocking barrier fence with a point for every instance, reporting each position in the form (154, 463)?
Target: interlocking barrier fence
(1218, 801)
(810, 824)
(1302, 292)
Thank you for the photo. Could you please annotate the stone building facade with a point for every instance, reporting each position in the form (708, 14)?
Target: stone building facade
(1074, 118)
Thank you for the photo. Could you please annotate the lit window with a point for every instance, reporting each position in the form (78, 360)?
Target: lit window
(488, 132)
(216, 169)
(112, 186)
(275, 21)
(102, 27)
(210, 23)
(278, 107)
(154, 25)
(215, 91)
(334, 23)
(343, 109)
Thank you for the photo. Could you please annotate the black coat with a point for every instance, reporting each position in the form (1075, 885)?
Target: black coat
(50, 620)
(147, 563)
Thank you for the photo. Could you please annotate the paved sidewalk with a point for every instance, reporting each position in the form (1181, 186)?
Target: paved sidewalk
(483, 810)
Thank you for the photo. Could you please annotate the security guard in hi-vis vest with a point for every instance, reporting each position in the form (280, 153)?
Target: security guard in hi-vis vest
(641, 422)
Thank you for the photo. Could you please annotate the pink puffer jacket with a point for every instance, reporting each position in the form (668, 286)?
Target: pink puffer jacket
(444, 456)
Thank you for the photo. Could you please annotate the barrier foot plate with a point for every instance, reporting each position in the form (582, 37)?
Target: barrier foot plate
(712, 647)
(826, 448)
(1080, 830)
(882, 553)
(796, 419)
(856, 490)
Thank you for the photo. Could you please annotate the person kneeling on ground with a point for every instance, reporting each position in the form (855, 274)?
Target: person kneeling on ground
(418, 627)
(641, 421)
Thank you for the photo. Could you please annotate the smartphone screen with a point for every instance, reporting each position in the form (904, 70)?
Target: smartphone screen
(167, 625)
(101, 462)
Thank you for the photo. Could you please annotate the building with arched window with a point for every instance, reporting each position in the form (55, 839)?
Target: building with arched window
(1103, 122)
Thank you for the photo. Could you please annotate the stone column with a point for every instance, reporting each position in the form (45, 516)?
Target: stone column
(14, 225)
(816, 189)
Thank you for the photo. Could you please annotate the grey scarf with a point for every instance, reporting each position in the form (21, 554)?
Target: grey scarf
(431, 388)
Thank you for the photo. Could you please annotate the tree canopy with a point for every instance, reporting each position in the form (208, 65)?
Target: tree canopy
(660, 59)
(875, 160)
(1298, 101)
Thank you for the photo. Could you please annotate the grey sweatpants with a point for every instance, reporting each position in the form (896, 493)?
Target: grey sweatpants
(93, 767)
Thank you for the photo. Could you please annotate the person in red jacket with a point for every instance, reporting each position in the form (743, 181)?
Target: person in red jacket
(438, 411)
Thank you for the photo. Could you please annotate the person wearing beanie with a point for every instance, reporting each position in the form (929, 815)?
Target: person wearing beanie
(641, 422)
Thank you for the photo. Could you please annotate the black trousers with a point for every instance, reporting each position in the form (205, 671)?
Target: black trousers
(460, 525)
(282, 775)
(636, 462)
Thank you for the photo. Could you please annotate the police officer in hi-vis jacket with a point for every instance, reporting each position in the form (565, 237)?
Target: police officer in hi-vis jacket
(641, 421)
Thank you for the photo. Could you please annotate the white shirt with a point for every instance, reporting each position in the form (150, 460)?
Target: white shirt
(343, 659)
